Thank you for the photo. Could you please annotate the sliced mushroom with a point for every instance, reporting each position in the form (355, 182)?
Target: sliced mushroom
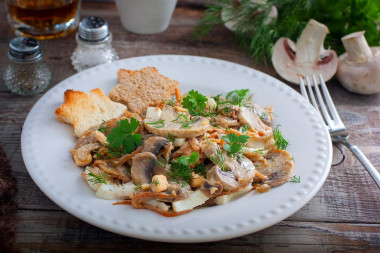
(225, 121)
(306, 57)
(172, 125)
(226, 178)
(154, 144)
(211, 190)
(278, 167)
(87, 138)
(82, 156)
(119, 172)
(359, 67)
(142, 168)
(248, 116)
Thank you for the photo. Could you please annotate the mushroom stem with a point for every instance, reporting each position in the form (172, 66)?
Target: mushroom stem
(310, 43)
(357, 48)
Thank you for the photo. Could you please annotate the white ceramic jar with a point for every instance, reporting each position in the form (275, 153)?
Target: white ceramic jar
(145, 16)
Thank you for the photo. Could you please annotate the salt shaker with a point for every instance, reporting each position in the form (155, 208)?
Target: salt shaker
(26, 74)
(94, 44)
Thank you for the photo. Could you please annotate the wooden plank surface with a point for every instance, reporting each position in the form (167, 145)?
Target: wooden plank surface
(343, 216)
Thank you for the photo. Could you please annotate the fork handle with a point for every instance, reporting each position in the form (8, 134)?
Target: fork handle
(366, 163)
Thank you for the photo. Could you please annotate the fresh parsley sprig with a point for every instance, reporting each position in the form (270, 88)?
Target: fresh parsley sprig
(181, 170)
(279, 140)
(195, 103)
(237, 97)
(123, 139)
(235, 143)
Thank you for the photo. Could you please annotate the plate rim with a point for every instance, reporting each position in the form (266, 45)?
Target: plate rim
(244, 230)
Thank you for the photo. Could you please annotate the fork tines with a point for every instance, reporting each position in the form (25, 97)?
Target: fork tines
(330, 115)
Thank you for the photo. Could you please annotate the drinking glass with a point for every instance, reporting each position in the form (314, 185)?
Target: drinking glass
(43, 19)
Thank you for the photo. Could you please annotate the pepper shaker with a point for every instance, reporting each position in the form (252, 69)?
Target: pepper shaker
(26, 74)
(94, 44)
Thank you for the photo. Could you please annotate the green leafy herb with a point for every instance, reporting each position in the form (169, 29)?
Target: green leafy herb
(245, 128)
(200, 169)
(138, 186)
(103, 127)
(123, 139)
(184, 120)
(155, 182)
(100, 178)
(180, 168)
(219, 159)
(295, 179)
(264, 116)
(160, 162)
(258, 36)
(279, 140)
(237, 97)
(158, 124)
(195, 103)
(171, 137)
(235, 143)
(172, 101)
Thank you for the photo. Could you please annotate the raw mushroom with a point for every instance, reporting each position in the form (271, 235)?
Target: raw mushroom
(306, 57)
(142, 168)
(359, 67)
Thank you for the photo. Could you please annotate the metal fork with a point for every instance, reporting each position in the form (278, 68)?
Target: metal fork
(333, 122)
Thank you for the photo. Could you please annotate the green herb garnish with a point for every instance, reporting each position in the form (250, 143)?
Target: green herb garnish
(171, 137)
(195, 103)
(123, 139)
(237, 97)
(184, 120)
(235, 143)
(160, 162)
(200, 169)
(245, 128)
(181, 170)
(96, 179)
(279, 140)
(138, 186)
(103, 127)
(158, 124)
(219, 159)
(295, 179)
(172, 101)
(155, 182)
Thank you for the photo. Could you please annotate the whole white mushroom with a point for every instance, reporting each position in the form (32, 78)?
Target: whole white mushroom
(359, 67)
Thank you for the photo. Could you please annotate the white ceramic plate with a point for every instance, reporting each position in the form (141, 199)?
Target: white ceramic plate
(46, 143)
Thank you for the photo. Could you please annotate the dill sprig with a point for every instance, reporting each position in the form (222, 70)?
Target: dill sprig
(279, 140)
(258, 37)
(184, 120)
(96, 179)
(295, 179)
(219, 159)
(157, 124)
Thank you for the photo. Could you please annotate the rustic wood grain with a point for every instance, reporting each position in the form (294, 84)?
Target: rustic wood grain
(344, 216)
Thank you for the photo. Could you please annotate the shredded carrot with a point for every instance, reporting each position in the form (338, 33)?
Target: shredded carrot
(221, 143)
(159, 106)
(233, 114)
(193, 144)
(213, 135)
(178, 95)
(261, 176)
(234, 131)
(123, 202)
(143, 117)
(128, 114)
(261, 133)
(215, 140)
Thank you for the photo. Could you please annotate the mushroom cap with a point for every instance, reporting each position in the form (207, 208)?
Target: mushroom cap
(142, 168)
(154, 144)
(284, 61)
(362, 78)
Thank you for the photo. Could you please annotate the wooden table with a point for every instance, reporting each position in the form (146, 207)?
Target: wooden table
(343, 216)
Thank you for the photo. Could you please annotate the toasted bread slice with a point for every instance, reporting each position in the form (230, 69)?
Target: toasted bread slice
(85, 110)
(142, 88)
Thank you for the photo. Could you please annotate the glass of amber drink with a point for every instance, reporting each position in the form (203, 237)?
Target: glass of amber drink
(43, 19)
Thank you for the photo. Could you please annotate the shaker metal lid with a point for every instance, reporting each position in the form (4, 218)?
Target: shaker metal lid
(24, 49)
(93, 29)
